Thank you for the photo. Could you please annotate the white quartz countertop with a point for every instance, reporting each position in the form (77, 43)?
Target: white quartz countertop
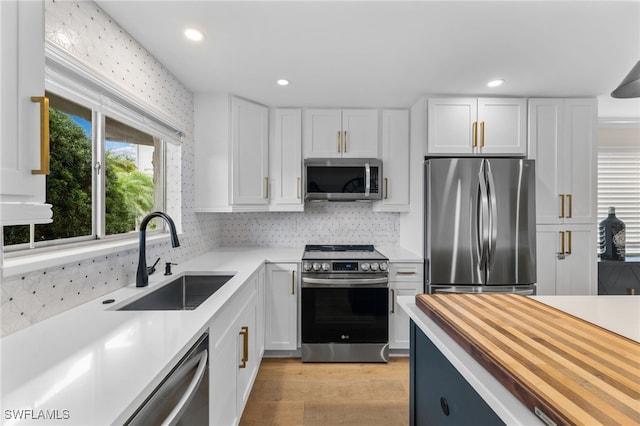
(620, 314)
(93, 365)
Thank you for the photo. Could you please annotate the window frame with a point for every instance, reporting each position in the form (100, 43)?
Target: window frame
(72, 82)
(621, 149)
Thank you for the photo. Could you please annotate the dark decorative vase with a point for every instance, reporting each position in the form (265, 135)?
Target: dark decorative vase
(611, 237)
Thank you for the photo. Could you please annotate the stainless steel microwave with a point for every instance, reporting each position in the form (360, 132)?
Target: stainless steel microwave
(342, 179)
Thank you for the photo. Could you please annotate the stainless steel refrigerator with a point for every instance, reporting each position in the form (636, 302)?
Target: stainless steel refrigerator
(480, 225)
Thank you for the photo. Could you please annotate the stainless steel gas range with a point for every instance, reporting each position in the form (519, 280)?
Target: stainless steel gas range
(345, 304)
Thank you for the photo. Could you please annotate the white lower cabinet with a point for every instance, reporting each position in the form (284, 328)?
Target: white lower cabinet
(281, 306)
(234, 338)
(405, 279)
(566, 260)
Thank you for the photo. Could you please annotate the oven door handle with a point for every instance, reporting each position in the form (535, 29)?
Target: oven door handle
(344, 282)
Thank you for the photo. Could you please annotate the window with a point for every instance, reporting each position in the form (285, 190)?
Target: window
(619, 180)
(106, 175)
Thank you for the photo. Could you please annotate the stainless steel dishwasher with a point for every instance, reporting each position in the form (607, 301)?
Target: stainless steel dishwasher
(183, 396)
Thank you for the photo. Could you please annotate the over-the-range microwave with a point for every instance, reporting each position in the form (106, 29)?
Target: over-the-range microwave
(342, 179)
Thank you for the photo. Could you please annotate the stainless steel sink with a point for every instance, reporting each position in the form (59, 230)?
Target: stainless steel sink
(185, 293)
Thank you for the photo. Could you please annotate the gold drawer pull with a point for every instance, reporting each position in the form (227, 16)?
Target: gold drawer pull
(482, 134)
(475, 134)
(244, 332)
(339, 141)
(44, 135)
(561, 206)
(570, 198)
(293, 282)
(345, 142)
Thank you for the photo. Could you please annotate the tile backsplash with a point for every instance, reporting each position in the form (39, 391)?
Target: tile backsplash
(321, 223)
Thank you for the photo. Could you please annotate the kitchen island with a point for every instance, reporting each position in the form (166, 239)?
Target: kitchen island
(487, 400)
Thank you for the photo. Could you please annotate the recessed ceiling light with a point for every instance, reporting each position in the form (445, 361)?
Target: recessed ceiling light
(282, 82)
(193, 34)
(495, 83)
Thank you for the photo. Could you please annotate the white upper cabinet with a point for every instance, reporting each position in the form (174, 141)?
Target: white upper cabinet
(485, 126)
(285, 160)
(24, 124)
(395, 161)
(231, 154)
(562, 141)
(250, 147)
(335, 133)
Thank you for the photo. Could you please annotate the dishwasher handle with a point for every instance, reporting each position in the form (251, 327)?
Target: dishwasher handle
(177, 412)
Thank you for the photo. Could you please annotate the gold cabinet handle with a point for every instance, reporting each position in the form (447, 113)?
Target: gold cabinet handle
(386, 188)
(266, 187)
(568, 243)
(298, 188)
(339, 141)
(570, 199)
(244, 332)
(475, 134)
(406, 273)
(345, 142)
(482, 134)
(44, 135)
(561, 242)
(393, 301)
(561, 206)
(293, 282)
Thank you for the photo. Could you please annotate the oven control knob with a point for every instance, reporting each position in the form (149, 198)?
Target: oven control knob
(306, 266)
(326, 267)
(364, 266)
(374, 266)
(316, 266)
(383, 266)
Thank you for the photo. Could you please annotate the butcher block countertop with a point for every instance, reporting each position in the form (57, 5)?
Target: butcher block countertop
(564, 369)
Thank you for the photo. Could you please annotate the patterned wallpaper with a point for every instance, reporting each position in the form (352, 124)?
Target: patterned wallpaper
(92, 38)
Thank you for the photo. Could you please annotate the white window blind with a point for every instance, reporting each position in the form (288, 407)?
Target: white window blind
(619, 181)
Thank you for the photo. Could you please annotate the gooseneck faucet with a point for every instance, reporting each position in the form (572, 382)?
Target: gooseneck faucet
(142, 276)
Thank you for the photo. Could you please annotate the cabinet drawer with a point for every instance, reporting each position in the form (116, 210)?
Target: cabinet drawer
(405, 271)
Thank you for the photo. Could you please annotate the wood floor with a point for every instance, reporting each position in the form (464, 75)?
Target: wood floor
(288, 392)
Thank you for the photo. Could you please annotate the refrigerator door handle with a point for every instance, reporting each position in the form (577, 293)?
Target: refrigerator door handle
(483, 217)
(492, 232)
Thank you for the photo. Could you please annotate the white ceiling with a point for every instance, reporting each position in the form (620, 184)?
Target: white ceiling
(389, 53)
